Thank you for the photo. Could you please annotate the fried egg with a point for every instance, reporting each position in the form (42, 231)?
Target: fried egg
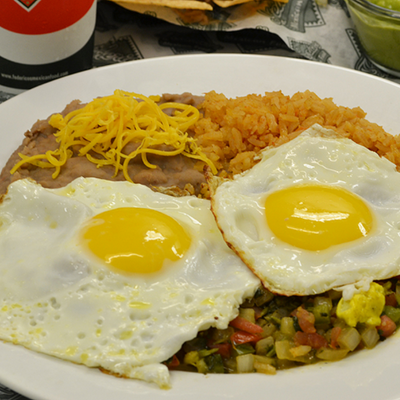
(113, 275)
(316, 213)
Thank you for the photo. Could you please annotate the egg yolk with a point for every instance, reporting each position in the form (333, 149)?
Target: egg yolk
(136, 240)
(316, 217)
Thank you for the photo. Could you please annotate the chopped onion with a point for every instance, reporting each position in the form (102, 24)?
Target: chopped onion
(282, 349)
(264, 368)
(287, 326)
(264, 345)
(349, 338)
(248, 314)
(299, 351)
(370, 336)
(268, 329)
(328, 354)
(245, 363)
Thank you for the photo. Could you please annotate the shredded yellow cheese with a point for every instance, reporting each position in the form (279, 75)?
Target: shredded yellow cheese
(106, 125)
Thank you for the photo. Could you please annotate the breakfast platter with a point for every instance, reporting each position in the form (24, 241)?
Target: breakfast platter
(367, 374)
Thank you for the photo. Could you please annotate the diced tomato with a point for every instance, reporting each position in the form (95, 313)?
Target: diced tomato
(173, 362)
(387, 326)
(315, 340)
(390, 300)
(306, 320)
(336, 331)
(300, 338)
(257, 312)
(241, 337)
(245, 325)
(224, 349)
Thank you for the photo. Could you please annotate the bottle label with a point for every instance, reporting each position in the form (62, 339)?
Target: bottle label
(41, 40)
(37, 17)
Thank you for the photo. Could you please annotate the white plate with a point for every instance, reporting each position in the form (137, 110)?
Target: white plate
(370, 374)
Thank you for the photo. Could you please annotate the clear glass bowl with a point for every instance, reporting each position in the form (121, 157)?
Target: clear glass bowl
(379, 31)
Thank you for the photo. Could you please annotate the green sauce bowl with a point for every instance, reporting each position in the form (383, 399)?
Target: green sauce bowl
(379, 31)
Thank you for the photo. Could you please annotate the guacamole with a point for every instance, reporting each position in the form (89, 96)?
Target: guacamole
(389, 4)
(379, 31)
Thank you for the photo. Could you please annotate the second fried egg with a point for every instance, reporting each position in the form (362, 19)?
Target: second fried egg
(316, 213)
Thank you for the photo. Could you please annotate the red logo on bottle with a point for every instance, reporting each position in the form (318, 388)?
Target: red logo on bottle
(43, 16)
(27, 4)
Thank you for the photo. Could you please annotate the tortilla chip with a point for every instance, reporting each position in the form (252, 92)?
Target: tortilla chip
(200, 17)
(228, 3)
(179, 4)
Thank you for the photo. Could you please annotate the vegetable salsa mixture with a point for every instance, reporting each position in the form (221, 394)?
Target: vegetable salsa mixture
(274, 332)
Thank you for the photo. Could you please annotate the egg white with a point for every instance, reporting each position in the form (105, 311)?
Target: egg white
(59, 299)
(317, 156)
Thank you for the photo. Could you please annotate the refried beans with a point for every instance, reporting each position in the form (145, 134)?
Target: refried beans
(171, 171)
